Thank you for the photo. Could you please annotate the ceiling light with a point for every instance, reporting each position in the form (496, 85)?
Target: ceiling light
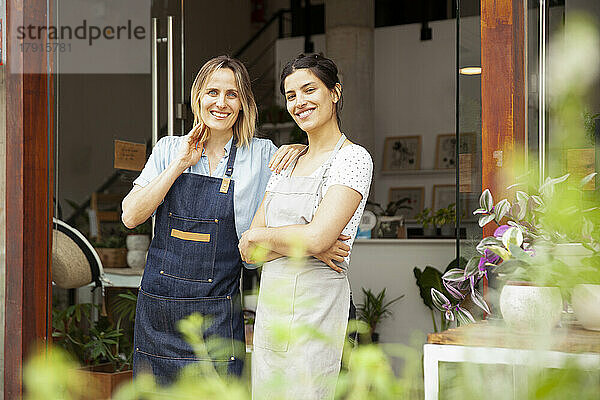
(470, 71)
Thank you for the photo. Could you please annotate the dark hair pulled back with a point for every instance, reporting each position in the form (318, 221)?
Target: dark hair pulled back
(323, 68)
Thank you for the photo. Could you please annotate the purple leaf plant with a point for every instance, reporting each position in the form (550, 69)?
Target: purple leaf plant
(493, 250)
(543, 217)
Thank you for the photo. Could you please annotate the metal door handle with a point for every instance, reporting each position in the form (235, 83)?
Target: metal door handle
(170, 82)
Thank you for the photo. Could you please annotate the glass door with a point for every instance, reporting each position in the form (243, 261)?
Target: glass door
(561, 111)
(119, 85)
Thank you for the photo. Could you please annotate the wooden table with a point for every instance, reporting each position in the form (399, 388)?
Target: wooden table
(494, 343)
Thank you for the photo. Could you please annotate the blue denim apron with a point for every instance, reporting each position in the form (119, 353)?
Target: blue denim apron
(193, 266)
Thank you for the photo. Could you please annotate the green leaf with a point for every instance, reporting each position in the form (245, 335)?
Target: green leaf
(501, 209)
(472, 267)
(479, 301)
(512, 236)
(485, 219)
(464, 317)
(488, 241)
(454, 275)
(547, 189)
(501, 251)
(587, 228)
(486, 201)
(439, 300)
(518, 253)
(522, 196)
(426, 280)
(587, 179)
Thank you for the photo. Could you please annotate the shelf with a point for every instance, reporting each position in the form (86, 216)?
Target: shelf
(448, 172)
(406, 241)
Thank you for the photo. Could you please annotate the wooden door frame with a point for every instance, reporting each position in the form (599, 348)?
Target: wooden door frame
(503, 93)
(29, 116)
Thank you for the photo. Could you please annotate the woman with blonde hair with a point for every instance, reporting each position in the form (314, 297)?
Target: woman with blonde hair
(203, 188)
(320, 196)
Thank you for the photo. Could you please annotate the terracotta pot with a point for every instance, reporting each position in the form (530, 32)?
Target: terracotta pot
(112, 257)
(103, 381)
(586, 305)
(530, 308)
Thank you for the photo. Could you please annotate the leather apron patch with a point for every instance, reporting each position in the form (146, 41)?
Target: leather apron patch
(195, 237)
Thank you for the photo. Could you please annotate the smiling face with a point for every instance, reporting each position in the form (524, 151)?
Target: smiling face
(308, 100)
(219, 101)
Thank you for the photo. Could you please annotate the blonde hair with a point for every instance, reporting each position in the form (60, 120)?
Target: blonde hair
(244, 126)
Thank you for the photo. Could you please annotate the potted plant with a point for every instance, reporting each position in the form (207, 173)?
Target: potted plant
(103, 348)
(112, 251)
(390, 223)
(374, 309)
(521, 251)
(426, 219)
(138, 242)
(583, 285)
(431, 278)
(445, 218)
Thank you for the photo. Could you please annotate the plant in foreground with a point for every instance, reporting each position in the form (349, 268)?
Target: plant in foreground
(521, 247)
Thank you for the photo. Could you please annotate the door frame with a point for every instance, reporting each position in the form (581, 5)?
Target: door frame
(29, 116)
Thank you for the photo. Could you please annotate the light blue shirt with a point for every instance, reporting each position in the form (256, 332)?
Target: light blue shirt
(250, 172)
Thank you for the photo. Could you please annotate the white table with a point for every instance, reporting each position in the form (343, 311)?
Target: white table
(571, 341)
(123, 277)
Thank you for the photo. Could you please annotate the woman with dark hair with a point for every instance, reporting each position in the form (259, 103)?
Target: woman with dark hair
(320, 196)
(204, 188)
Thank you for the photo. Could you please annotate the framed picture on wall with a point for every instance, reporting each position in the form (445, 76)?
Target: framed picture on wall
(402, 153)
(445, 149)
(415, 196)
(443, 196)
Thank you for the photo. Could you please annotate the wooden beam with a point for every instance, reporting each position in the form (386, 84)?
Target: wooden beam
(503, 93)
(28, 201)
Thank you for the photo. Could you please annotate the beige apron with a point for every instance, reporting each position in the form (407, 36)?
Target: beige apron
(302, 310)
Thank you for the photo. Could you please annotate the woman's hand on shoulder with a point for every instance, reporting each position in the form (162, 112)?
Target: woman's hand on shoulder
(190, 149)
(284, 156)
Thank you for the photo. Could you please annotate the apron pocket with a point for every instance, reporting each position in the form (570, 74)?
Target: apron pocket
(157, 327)
(191, 248)
(275, 311)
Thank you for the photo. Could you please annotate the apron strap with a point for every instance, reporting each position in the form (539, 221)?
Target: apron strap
(231, 159)
(337, 147)
(288, 171)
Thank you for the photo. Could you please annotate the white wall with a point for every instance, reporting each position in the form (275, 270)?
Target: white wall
(415, 92)
(381, 263)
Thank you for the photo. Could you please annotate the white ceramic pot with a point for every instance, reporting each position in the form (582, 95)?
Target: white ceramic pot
(530, 308)
(586, 305)
(138, 242)
(136, 259)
